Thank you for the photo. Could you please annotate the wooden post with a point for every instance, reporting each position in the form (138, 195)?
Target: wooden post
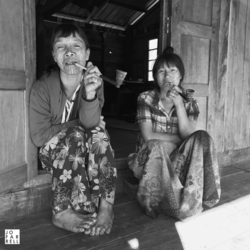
(165, 24)
(30, 72)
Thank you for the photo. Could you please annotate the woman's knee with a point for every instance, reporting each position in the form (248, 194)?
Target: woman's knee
(160, 144)
(201, 134)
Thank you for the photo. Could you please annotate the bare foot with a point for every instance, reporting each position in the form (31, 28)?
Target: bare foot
(73, 221)
(104, 219)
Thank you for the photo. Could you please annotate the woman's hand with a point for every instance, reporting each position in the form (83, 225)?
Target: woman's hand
(102, 123)
(92, 80)
(176, 98)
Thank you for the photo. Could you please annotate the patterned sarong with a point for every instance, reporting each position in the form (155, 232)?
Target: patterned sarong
(82, 164)
(177, 181)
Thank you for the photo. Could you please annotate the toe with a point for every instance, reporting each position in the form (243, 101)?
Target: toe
(97, 231)
(85, 225)
(78, 229)
(87, 232)
(102, 231)
(108, 230)
(92, 233)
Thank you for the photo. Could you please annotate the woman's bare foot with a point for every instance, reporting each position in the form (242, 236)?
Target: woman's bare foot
(73, 221)
(104, 219)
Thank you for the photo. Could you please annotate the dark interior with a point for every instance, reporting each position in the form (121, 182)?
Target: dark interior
(118, 33)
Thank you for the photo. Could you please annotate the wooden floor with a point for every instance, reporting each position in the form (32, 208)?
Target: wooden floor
(123, 136)
(163, 233)
(130, 223)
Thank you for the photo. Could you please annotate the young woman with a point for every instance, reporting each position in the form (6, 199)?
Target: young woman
(176, 165)
(66, 123)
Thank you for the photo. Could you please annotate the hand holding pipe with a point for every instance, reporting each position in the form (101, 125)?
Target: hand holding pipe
(181, 94)
(101, 76)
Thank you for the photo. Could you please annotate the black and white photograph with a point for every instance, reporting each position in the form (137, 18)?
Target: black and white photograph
(124, 124)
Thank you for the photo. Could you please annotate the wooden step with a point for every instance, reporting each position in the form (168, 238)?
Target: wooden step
(35, 195)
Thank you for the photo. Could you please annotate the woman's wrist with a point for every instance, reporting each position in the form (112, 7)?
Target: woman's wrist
(89, 97)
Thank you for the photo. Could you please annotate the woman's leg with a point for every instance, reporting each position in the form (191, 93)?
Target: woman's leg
(178, 184)
(101, 155)
(75, 180)
(158, 181)
(195, 163)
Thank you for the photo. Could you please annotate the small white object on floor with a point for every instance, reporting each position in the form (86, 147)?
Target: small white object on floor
(134, 243)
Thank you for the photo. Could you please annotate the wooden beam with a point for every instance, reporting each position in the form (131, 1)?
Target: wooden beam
(201, 90)
(54, 6)
(94, 11)
(128, 6)
(25, 202)
(18, 175)
(12, 79)
(195, 29)
(232, 157)
(165, 15)
(101, 8)
(83, 20)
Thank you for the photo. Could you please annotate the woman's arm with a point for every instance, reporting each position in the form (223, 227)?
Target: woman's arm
(40, 120)
(148, 134)
(186, 125)
(90, 111)
(93, 99)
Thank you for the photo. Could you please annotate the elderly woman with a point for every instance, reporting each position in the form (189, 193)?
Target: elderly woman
(176, 165)
(66, 123)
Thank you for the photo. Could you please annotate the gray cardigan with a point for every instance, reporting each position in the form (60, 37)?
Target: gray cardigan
(47, 101)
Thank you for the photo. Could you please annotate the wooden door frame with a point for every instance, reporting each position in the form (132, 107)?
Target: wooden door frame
(165, 24)
(22, 80)
(30, 78)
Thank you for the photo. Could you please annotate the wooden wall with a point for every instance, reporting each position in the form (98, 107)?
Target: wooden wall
(17, 67)
(231, 117)
(212, 36)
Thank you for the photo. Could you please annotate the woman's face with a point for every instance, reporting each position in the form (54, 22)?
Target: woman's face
(168, 77)
(70, 50)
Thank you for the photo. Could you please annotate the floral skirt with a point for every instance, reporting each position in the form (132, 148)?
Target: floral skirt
(82, 164)
(177, 181)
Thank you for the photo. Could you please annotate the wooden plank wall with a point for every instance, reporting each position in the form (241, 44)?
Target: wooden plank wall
(12, 82)
(231, 116)
(228, 118)
(17, 74)
(237, 99)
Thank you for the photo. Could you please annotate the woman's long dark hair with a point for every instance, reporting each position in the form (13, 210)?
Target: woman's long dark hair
(169, 58)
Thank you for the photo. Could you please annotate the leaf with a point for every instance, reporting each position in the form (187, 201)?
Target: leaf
(75, 165)
(96, 181)
(96, 188)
